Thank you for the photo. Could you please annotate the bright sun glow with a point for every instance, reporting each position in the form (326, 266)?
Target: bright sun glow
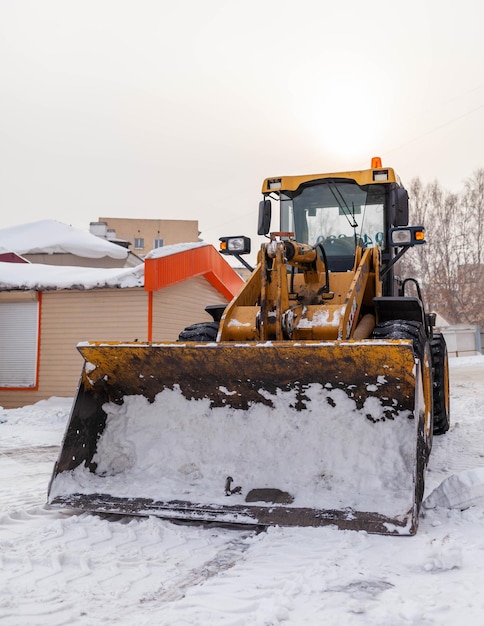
(342, 114)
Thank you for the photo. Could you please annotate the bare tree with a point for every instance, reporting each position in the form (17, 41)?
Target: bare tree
(473, 201)
(450, 266)
(472, 250)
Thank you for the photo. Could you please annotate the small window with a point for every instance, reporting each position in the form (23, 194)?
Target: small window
(158, 243)
(139, 243)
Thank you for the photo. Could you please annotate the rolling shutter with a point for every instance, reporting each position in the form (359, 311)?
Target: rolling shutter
(18, 343)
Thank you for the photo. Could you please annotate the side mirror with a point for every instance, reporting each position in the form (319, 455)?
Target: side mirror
(400, 206)
(265, 211)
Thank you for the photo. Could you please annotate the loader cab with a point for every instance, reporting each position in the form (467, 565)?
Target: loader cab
(341, 211)
(338, 213)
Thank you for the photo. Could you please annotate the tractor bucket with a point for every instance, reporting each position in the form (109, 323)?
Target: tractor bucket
(306, 434)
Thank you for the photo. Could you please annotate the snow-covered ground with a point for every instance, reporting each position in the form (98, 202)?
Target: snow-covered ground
(63, 568)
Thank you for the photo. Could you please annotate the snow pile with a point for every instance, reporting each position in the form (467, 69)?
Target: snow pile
(43, 422)
(444, 554)
(329, 456)
(459, 491)
(50, 237)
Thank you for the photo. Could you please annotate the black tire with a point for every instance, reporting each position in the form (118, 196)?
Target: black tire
(405, 329)
(421, 463)
(203, 331)
(440, 364)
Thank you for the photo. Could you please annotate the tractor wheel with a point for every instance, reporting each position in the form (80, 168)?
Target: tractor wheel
(415, 331)
(203, 331)
(441, 394)
(402, 329)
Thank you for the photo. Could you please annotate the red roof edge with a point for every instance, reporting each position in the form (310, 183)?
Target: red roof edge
(200, 261)
(12, 257)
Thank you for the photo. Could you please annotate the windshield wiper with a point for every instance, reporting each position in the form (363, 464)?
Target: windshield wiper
(342, 204)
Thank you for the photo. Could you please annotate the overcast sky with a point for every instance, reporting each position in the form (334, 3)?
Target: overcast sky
(179, 109)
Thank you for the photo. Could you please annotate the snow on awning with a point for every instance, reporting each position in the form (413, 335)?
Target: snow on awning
(179, 262)
(163, 267)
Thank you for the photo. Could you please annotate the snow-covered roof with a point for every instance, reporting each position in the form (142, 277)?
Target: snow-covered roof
(51, 236)
(40, 277)
(36, 276)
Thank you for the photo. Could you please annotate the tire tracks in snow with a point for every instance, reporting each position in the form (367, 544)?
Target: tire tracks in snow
(63, 567)
(226, 558)
(31, 454)
(28, 468)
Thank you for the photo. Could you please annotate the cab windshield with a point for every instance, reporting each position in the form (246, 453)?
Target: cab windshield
(336, 211)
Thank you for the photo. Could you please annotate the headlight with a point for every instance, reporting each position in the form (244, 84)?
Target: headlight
(235, 245)
(407, 236)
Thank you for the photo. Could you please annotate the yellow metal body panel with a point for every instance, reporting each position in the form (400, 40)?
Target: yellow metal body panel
(309, 305)
(362, 177)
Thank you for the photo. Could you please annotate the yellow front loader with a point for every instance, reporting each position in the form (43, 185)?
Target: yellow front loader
(311, 398)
